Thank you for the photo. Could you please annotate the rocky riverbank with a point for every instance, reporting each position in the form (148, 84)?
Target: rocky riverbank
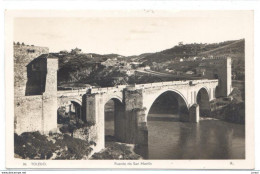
(230, 109)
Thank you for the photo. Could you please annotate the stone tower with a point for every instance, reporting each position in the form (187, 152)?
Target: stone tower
(220, 68)
(43, 71)
(35, 90)
(225, 77)
(23, 55)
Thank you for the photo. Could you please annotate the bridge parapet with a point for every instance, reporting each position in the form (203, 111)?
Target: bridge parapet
(108, 89)
(175, 83)
(120, 88)
(204, 81)
(72, 92)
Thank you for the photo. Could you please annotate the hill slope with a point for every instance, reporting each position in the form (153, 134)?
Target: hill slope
(228, 48)
(87, 68)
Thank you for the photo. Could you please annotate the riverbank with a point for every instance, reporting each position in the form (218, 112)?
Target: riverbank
(117, 151)
(231, 108)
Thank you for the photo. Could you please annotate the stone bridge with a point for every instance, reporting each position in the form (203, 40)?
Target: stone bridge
(132, 105)
(37, 109)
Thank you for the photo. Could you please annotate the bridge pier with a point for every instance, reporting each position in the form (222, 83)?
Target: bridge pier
(135, 115)
(194, 113)
(95, 115)
(142, 130)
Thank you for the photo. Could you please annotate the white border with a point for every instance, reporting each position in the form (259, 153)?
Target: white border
(154, 5)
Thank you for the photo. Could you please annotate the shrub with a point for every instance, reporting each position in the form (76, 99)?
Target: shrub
(33, 145)
(77, 148)
(116, 151)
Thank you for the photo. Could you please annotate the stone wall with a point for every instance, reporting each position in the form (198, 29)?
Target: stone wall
(23, 55)
(28, 114)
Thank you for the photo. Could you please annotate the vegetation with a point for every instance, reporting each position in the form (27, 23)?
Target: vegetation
(185, 51)
(70, 123)
(234, 49)
(117, 151)
(33, 145)
(81, 68)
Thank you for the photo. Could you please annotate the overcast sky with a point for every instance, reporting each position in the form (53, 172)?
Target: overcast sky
(130, 35)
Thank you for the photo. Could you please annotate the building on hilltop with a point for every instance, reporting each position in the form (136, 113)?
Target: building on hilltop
(75, 51)
(189, 72)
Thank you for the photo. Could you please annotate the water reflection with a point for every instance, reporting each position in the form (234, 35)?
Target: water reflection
(168, 138)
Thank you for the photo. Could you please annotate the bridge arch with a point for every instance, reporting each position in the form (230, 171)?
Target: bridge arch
(205, 89)
(63, 101)
(76, 101)
(203, 99)
(69, 108)
(114, 98)
(114, 118)
(182, 104)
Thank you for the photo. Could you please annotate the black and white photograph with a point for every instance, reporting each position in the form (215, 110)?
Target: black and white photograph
(130, 86)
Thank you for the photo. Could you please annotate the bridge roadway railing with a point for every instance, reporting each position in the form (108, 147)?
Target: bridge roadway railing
(108, 89)
(175, 83)
(120, 88)
(92, 90)
(72, 92)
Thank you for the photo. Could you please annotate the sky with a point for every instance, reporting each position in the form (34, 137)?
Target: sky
(131, 35)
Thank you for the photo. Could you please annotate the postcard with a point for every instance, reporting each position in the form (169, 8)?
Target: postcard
(136, 89)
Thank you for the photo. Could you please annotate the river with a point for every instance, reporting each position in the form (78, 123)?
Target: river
(168, 138)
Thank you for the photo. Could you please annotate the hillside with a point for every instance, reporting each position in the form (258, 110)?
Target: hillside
(91, 68)
(170, 58)
(227, 48)
(76, 67)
